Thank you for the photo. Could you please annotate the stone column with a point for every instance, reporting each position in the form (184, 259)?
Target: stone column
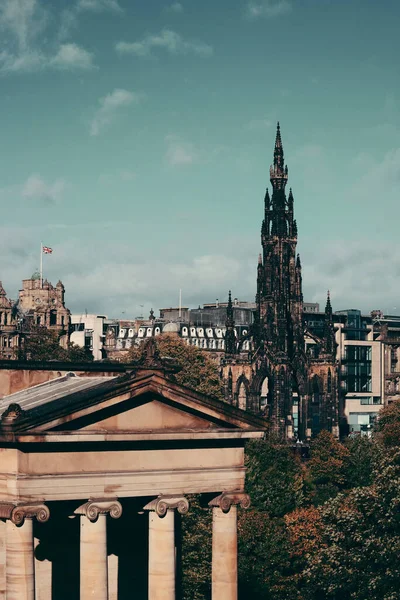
(93, 564)
(162, 545)
(20, 563)
(224, 544)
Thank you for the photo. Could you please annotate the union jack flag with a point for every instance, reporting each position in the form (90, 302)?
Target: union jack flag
(47, 250)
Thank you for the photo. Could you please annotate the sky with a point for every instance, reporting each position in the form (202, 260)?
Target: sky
(136, 139)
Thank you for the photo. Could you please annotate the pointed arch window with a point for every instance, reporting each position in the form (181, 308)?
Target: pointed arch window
(329, 383)
(242, 397)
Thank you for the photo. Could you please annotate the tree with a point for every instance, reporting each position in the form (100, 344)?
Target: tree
(274, 477)
(387, 427)
(196, 551)
(197, 370)
(326, 469)
(358, 468)
(265, 571)
(43, 344)
(358, 556)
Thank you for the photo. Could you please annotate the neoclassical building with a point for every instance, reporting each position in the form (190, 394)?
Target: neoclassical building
(95, 474)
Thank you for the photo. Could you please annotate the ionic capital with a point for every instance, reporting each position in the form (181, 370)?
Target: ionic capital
(161, 505)
(17, 513)
(103, 506)
(227, 499)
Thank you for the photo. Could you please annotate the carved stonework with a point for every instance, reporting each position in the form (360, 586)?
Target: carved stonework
(93, 508)
(162, 504)
(12, 414)
(18, 513)
(227, 499)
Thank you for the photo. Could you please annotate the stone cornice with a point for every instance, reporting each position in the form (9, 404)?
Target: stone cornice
(227, 499)
(17, 513)
(162, 504)
(102, 506)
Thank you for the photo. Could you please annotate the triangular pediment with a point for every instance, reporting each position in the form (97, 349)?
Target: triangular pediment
(154, 415)
(133, 403)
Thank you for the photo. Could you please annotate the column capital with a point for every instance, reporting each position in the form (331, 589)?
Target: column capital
(102, 506)
(161, 505)
(17, 513)
(227, 499)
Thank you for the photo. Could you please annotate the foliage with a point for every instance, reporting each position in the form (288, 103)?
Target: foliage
(273, 477)
(358, 557)
(43, 344)
(360, 462)
(196, 551)
(326, 469)
(264, 558)
(198, 371)
(387, 427)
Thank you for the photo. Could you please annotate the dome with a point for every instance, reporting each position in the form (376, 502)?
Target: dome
(171, 328)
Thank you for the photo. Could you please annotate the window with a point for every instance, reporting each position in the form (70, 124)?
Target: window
(358, 372)
(361, 423)
(242, 398)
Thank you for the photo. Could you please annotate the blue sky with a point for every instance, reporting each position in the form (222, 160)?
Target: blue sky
(136, 139)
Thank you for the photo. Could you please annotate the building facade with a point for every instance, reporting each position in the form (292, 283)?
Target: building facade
(39, 304)
(96, 474)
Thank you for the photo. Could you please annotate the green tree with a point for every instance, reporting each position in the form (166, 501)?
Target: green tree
(265, 571)
(43, 344)
(387, 427)
(358, 556)
(359, 465)
(197, 370)
(196, 551)
(274, 477)
(326, 469)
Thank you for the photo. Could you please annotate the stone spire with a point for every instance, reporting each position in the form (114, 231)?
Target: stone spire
(230, 339)
(329, 329)
(278, 171)
(2, 290)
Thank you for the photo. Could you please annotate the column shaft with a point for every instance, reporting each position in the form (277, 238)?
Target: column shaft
(161, 556)
(93, 563)
(224, 554)
(3, 528)
(20, 561)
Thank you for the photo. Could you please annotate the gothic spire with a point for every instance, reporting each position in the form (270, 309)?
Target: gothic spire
(278, 171)
(328, 307)
(329, 329)
(230, 340)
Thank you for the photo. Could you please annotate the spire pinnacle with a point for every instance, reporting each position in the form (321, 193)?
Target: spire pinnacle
(278, 171)
(328, 307)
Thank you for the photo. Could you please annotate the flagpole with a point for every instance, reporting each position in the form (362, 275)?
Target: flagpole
(41, 264)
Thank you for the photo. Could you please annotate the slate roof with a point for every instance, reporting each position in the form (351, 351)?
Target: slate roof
(44, 393)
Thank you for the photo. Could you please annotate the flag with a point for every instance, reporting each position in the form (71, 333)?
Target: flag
(47, 250)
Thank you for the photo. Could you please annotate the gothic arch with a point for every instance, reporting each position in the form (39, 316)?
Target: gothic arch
(242, 392)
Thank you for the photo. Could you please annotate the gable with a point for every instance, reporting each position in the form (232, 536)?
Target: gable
(153, 416)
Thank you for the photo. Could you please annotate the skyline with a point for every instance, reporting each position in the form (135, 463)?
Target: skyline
(137, 142)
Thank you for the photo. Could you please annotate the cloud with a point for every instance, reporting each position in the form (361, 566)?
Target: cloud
(336, 266)
(23, 24)
(72, 56)
(109, 106)
(176, 7)
(167, 40)
(36, 188)
(268, 8)
(99, 6)
(179, 152)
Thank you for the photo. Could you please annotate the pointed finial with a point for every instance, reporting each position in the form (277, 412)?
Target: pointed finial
(328, 307)
(298, 262)
(260, 259)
